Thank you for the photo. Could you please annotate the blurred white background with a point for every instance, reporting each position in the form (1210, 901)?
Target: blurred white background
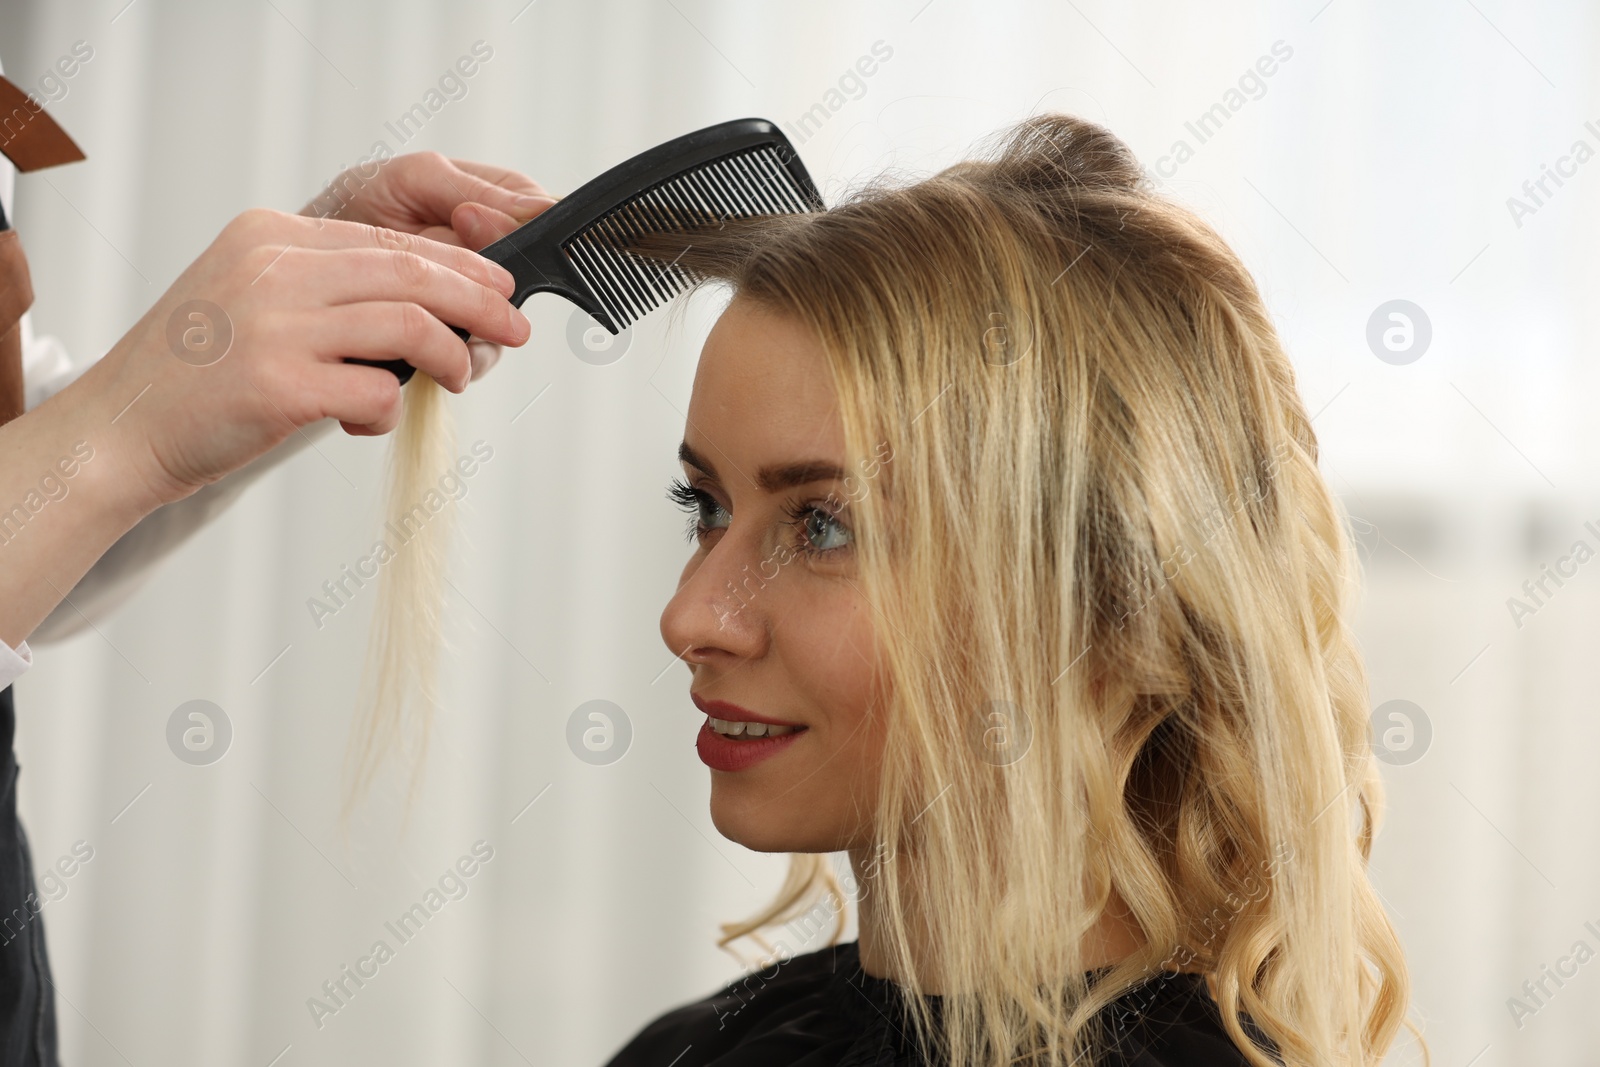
(1374, 164)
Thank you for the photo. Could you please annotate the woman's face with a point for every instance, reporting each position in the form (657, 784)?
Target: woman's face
(768, 614)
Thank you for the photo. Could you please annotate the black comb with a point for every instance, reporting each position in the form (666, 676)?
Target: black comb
(734, 169)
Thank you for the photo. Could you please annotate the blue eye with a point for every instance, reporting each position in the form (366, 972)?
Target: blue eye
(820, 528)
(705, 514)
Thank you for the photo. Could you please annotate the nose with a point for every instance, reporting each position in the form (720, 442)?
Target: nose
(719, 613)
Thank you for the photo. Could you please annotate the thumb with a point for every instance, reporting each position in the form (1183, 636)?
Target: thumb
(440, 190)
(478, 226)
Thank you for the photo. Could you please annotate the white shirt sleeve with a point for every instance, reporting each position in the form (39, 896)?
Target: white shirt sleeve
(14, 662)
(46, 367)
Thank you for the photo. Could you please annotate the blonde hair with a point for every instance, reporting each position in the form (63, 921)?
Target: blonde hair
(398, 694)
(1103, 514)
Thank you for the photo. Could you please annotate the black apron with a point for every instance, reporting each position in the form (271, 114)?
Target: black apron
(27, 994)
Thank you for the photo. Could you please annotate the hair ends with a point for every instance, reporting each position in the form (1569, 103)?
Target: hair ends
(399, 694)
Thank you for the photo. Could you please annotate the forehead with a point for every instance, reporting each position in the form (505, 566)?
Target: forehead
(762, 393)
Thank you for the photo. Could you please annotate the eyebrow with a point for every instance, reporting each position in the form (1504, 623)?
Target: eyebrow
(773, 477)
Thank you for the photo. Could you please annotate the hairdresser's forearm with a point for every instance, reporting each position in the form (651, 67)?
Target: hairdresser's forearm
(129, 563)
(70, 486)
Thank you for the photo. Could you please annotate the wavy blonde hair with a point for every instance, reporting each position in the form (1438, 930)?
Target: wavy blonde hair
(1104, 515)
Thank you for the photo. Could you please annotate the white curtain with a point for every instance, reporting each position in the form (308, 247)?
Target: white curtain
(1373, 163)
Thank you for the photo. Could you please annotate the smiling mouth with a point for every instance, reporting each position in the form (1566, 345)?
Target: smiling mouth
(748, 730)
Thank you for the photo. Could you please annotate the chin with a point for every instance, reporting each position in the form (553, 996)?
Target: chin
(761, 825)
(758, 826)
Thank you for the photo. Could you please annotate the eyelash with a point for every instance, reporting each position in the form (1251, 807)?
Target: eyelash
(692, 500)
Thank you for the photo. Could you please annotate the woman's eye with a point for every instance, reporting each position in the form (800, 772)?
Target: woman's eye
(711, 515)
(823, 531)
(705, 513)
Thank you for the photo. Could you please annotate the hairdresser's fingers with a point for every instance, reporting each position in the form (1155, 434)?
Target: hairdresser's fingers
(484, 355)
(429, 186)
(472, 226)
(356, 275)
(366, 400)
(442, 234)
(383, 330)
(478, 226)
(415, 191)
(465, 262)
(275, 238)
(513, 180)
(360, 431)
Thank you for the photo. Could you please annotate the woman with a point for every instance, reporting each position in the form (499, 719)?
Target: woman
(1010, 530)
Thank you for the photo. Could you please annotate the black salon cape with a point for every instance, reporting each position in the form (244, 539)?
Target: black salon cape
(821, 1010)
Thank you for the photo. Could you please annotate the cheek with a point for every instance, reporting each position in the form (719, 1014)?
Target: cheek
(834, 651)
(842, 648)
(822, 660)
(830, 646)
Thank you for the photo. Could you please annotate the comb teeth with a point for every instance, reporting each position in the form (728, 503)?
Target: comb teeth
(745, 184)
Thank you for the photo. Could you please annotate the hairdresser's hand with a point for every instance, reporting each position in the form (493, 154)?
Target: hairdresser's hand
(299, 296)
(455, 201)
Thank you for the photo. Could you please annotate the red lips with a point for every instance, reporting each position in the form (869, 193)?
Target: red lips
(721, 709)
(735, 754)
